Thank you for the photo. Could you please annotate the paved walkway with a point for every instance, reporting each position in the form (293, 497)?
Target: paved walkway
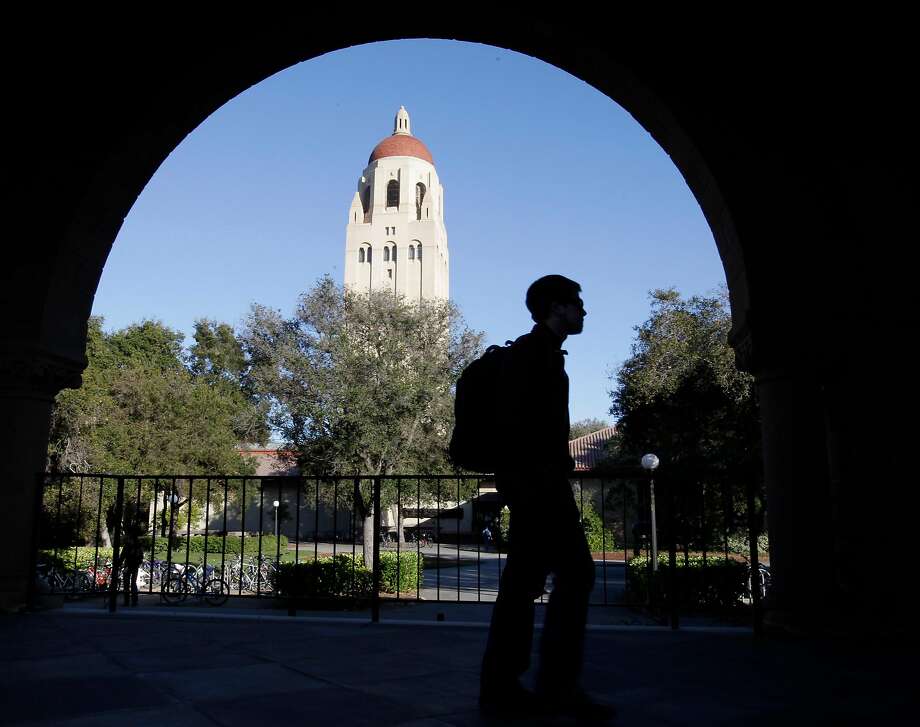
(197, 666)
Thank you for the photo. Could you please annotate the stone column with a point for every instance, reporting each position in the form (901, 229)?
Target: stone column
(799, 501)
(29, 380)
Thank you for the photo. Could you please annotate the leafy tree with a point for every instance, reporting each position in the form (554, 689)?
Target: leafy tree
(218, 359)
(142, 411)
(361, 384)
(149, 344)
(598, 537)
(586, 426)
(680, 395)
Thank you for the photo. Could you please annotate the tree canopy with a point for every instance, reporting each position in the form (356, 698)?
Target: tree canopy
(586, 426)
(358, 383)
(680, 394)
(141, 409)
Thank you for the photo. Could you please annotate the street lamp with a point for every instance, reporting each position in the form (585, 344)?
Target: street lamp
(649, 463)
(276, 503)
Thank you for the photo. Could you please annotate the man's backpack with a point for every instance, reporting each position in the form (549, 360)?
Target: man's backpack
(479, 411)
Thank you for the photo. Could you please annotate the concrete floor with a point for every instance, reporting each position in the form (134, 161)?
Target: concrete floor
(196, 666)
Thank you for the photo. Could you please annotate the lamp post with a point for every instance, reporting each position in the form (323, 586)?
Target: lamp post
(276, 504)
(649, 463)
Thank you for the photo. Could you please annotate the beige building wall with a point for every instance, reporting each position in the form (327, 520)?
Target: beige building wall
(383, 240)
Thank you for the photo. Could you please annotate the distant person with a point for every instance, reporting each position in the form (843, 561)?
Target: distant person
(132, 555)
(546, 535)
(487, 535)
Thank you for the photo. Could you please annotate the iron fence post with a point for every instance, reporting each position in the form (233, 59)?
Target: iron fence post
(756, 604)
(672, 558)
(375, 595)
(116, 543)
(36, 540)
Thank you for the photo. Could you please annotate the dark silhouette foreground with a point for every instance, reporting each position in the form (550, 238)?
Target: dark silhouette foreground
(546, 535)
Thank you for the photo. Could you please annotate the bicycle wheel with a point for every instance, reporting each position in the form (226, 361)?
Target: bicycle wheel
(175, 589)
(216, 592)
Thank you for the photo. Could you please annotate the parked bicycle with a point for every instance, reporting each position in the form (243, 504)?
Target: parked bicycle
(253, 574)
(200, 583)
(100, 577)
(761, 581)
(68, 581)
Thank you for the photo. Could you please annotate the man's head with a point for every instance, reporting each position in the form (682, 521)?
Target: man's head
(556, 301)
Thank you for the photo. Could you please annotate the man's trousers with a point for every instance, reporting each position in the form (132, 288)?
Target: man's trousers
(546, 536)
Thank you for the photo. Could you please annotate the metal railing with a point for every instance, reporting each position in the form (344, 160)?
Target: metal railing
(436, 538)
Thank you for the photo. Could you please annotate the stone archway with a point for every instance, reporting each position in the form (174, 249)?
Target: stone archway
(777, 206)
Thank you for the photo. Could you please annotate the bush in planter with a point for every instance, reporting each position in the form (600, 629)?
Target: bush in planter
(721, 584)
(329, 577)
(410, 569)
(344, 576)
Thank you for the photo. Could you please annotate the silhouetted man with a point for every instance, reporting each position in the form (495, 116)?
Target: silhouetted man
(546, 535)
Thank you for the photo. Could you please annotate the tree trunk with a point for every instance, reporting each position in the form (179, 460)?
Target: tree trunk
(108, 526)
(369, 540)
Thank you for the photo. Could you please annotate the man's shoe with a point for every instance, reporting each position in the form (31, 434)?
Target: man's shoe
(578, 704)
(508, 699)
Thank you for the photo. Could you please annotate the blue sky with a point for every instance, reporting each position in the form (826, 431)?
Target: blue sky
(541, 173)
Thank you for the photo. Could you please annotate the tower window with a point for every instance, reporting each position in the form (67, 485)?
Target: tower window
(386, 254)
(361, 255)
(369, 251)
(390, 273)
(419, 251)
(393, 193)
(394, 254)
(412, 252)
(419, 198)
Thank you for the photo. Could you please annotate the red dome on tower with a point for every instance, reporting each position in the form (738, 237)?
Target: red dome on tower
(401, 145)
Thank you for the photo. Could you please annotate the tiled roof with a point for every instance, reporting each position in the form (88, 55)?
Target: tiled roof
(588, 451)
(270, 461)
(400, 145)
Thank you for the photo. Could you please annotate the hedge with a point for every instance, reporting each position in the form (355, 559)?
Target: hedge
(234, 544)
(344, 575)
(721, 584)
(63, 558)
(329, 577)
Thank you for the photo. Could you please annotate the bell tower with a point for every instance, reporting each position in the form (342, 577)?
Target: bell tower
(395, 238)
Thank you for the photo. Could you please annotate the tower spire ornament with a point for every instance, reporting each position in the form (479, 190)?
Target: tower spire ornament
(401, 123)
(395, 238)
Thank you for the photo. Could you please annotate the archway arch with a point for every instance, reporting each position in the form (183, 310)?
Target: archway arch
(775, 223)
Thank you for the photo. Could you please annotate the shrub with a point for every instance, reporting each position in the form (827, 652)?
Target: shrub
(598, 536)
(81, 557)
(739, 544)
(721, 584)
(342, 575)
(504, 524)
(329, 577)
(410, 569)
